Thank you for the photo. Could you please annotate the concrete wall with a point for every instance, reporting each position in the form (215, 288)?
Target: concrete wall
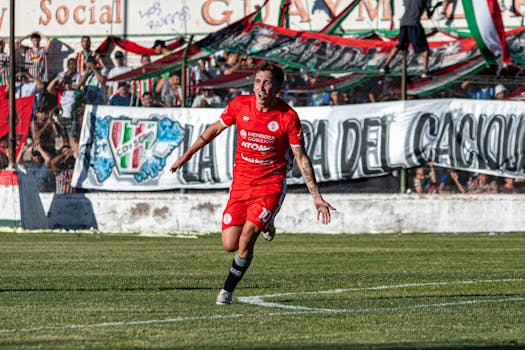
(356, 213)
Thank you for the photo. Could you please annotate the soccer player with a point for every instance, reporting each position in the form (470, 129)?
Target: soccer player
(267, 128)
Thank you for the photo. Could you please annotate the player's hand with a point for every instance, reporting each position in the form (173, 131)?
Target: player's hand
(178, 163)
(323, 210)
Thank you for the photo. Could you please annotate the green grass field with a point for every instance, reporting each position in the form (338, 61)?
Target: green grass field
(414, 291)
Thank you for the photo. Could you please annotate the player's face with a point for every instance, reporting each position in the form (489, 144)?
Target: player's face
(265, 88)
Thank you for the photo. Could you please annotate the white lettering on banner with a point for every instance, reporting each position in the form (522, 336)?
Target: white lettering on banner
(350, 142)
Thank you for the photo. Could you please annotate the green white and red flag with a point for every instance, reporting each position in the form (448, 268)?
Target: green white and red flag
(486, 25)
(284, 17)
(335, 23)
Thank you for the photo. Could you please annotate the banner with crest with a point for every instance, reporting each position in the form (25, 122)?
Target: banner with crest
(132, 149)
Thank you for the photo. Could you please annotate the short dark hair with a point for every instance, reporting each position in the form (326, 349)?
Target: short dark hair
(277, 72)
(35, 36)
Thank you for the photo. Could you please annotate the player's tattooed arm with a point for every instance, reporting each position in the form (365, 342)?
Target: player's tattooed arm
(306, 169)
(305, 166)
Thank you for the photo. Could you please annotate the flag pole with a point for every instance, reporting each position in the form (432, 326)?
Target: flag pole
(11, 150)
(402, 172)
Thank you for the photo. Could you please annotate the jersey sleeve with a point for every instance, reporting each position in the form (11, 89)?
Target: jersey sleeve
(227, 117)
(295, 130)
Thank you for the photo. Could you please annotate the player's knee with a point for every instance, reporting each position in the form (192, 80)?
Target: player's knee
(230, 245)
(230, 248)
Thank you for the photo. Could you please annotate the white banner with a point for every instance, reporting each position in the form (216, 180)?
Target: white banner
(132, 149)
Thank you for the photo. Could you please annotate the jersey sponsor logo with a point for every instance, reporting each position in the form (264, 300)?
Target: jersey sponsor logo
(256, 161)
(273, 126)
(243, 133)
(255, 146)
(227, 219)
(259, 138)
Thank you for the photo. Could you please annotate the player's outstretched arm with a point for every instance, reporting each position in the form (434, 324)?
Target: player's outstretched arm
(305, 166)
(206, 137)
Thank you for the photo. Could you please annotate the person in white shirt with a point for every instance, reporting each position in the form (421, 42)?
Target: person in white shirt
(120, 68)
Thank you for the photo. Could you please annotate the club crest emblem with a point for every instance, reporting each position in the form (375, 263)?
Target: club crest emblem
(273, 126)
(133, 148)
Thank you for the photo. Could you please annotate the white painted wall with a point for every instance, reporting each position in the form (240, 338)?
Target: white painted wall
(356, 213)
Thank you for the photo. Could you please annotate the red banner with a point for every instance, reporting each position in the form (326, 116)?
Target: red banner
(24, 107)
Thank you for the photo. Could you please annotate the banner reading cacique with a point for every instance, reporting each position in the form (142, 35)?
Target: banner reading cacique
(132, 149)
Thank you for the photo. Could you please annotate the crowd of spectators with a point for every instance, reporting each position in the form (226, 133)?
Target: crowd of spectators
(429, 179)
(52, 145)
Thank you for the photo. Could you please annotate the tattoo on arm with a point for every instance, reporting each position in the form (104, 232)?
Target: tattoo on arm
(203, 138)
(305, 166)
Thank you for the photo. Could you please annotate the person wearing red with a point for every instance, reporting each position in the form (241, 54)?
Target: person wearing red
(267, 129)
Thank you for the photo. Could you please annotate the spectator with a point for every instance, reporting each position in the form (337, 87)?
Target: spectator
(26, 85)
(170, 91)
(120, 68)
(508, 186)
(425, 182)
(207, 98)
(35, 56)
(482, 184)
(44, 132)
(203, 71)
(93, 83)
(123, 97)
(500, 92)
(71, 72)
(232, 63)
(69, 99)
(148, 100)
(37, 168)
(248, 63)
(445, 12)
(140, 87)
(336, 98)
(452, 182)
(479, 91)
(315, 98)
(63, 165)
(4, 64)
(160, 48)
(85, 54)
(412, 32)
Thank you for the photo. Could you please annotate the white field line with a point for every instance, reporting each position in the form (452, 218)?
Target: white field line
(299, 310)
(259, 300)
